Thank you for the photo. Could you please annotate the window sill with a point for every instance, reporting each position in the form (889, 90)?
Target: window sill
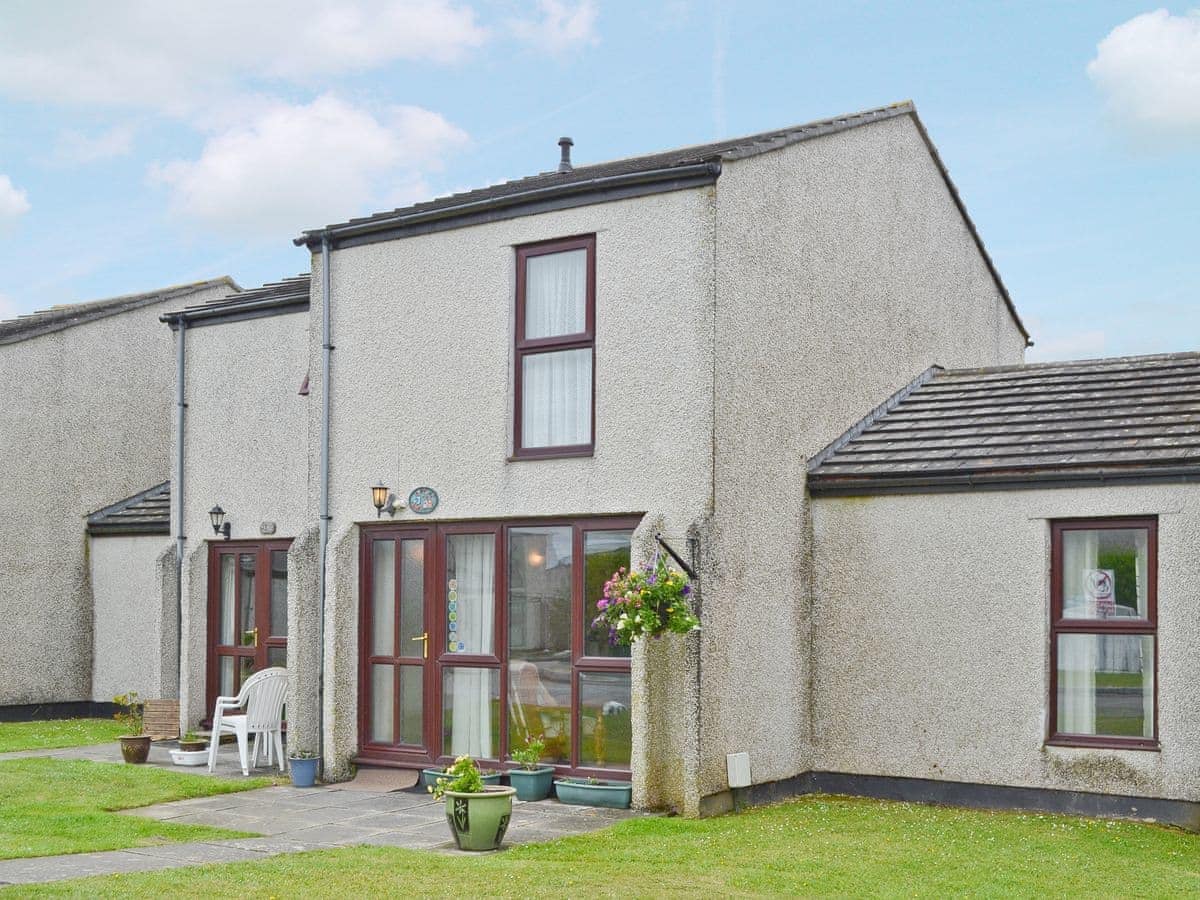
(553, 453)
(1087, 742)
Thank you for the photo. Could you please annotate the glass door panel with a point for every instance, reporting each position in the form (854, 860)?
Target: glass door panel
(470, 593)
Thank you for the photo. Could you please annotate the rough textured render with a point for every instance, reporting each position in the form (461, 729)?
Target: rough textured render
(844, 265)
(130, 625)
(245, 449)
(85, 421)
(931, 638)
(1096, 421)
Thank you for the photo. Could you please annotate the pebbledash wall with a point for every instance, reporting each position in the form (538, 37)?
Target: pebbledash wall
(84, 422)
(245, 449)
(740, 327)
(931, 638)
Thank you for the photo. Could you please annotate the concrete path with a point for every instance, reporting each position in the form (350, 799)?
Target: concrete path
(291, 820)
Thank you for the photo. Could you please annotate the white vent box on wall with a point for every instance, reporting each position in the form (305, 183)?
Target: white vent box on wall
(738, 765)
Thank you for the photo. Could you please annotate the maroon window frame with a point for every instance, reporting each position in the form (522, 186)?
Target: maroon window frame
(527, 347)
(1059, 626)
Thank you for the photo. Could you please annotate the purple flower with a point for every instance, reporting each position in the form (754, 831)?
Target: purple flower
(687, 589)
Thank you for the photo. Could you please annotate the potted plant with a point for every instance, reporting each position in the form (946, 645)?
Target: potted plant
(303, 765)
(647, 601)
(594, 792)
(192, 751)
(430, 776)
(532, 782)
(135, 746)
(478, 814)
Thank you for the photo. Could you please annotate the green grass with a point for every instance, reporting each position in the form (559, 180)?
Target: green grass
(55, 733)
(816, 845)
(52, 806)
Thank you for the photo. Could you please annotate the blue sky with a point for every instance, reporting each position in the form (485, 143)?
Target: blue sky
(165, 143)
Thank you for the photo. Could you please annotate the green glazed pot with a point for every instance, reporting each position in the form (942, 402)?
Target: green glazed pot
(532, 784)
(479, 821)
(611, 794)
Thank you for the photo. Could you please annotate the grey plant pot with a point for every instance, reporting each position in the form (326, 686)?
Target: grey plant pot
(532, 784)
(610, 794)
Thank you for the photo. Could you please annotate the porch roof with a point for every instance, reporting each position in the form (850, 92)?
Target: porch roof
(1099, 421)
(273, 298)
(147, 512)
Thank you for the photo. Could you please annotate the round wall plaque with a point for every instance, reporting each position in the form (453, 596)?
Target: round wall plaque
(423, 500)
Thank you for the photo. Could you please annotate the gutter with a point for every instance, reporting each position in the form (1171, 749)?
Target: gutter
(335, 233)
(233, 308)
(326, 354)
(177, 492)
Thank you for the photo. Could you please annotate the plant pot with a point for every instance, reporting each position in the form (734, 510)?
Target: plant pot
(304, 771)
(135, 748)
(532, 784)
(610, 794)
(429, 777)
(193, 746)
(189, 757)
(479, 821)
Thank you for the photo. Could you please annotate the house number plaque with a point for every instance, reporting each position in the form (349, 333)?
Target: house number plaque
(423, 500)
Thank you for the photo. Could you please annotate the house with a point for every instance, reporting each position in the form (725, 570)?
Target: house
(549, 374)
(1005, 589)
(85, 405)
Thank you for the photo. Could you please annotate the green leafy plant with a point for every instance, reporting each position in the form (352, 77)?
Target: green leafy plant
(303, 754)
(462, 777)
(529, 755)
(647, 601)
(190, 738)
(129, 712)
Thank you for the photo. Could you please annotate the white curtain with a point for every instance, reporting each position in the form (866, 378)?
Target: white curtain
(1077, 683)
(556, 294)
(1081, 550)
(1147, 644)
(228, 597)
(556, 403)
(473, 570)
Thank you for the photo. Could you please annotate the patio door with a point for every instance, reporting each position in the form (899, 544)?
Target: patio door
(395, 644)
(247, 612)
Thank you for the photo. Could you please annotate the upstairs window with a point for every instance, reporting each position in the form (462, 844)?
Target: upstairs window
(555, 348)
(1104, 633)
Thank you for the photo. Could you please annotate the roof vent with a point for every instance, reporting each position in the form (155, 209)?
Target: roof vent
(564, 165)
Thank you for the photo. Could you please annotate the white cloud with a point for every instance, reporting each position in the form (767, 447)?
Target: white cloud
(1069, 345)
(13, 202)
(1149, 70)
(302, 166)
(180, 58)
(560, 27)
(77, 148)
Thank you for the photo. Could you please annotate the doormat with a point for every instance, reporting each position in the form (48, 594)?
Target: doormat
(382, 780)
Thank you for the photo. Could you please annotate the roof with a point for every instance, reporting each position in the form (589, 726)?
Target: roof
(1099, 421)
(677, 169)
(273, 298)
(56, 318)
(146, 513)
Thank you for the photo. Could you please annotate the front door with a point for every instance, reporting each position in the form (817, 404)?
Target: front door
(395, 646)
(247, 612)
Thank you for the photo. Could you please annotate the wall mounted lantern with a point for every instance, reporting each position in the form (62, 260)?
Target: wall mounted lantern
(384, 501)
(217, 516)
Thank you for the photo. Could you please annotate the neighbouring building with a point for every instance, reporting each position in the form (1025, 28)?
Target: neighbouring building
(85, 406)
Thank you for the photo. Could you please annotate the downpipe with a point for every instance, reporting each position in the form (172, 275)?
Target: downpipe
(326, 355)
(177, 491)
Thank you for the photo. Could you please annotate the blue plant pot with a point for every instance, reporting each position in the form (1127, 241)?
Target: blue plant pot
(304, 771)
(610, 794)
(532, 784)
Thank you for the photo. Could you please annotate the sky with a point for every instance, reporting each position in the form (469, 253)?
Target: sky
(144, 143)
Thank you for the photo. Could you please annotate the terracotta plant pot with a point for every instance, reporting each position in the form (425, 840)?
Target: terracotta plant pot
(479, 821)
(135, 749)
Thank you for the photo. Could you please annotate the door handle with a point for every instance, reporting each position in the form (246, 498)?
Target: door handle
(253, 631)
(424, 639)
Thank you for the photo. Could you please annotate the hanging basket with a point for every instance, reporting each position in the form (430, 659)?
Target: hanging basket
(647, 601)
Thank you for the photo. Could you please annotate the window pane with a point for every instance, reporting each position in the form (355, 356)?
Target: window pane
(539, 638)
(277, 656)
(471, 712)
(382, 701)
(1104, 573)
(1106, 684)
(605, 731)
(383, 597)
(246, 668)
(556, 294)
(225, 675)
(228, 623)
(605, 552)
(556, 398)
(470, 592)
(279, 584)
(247, 564)
(412, 704)
(412, 597)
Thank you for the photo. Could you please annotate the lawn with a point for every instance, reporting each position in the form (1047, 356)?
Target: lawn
(815, 845)
(55, 733)
(51, 806)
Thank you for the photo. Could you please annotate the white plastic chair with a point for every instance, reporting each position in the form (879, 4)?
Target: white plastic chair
(262, 696)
